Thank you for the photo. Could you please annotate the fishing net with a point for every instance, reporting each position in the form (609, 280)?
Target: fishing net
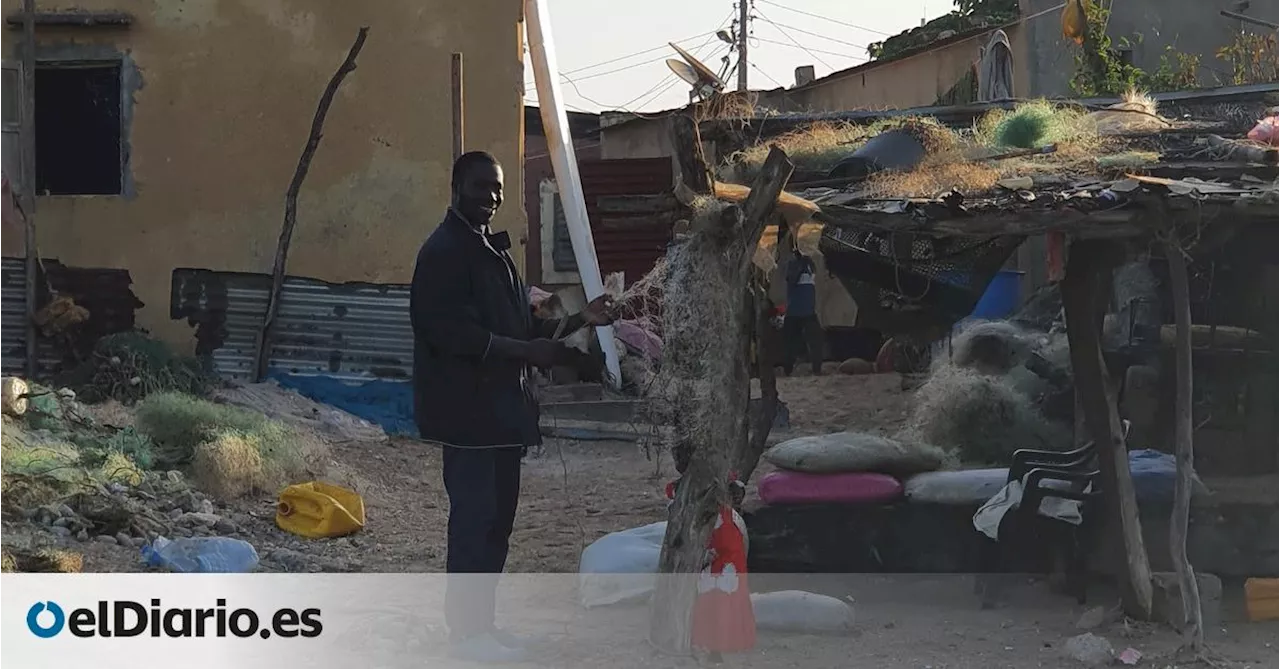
(939, 278)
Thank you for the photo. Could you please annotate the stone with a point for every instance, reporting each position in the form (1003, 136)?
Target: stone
(138, 542)
(1089, 650)
(66, 511)
(60, 531)
(200, 519)
(105, 539)
(206, 506)
(224, 526)
(173, 476)
(61, 522)
(175, 514)
(1166, 599)
(189, 502)
(82, 535)
(1092, 619)
(124, 539)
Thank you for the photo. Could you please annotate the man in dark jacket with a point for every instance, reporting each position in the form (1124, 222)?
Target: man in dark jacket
(475, 339)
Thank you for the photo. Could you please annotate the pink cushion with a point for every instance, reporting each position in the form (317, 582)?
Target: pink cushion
(784, 487)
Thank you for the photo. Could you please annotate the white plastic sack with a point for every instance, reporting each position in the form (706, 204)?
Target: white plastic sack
(621, 566)
(854, 452)
(801, 612)
(963, 487)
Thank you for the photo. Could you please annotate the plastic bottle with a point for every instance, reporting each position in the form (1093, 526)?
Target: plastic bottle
(201, 555)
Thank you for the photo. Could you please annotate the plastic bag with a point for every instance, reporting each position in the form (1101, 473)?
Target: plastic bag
(621, 566)
(1266, 131)
(801, 612)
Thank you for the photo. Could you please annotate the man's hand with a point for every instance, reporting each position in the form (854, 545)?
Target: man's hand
(600, 311)
(546, 353)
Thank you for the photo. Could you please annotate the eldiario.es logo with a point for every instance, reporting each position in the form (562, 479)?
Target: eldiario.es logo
(123, 618)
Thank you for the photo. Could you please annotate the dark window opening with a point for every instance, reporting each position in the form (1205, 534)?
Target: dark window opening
(78, 124)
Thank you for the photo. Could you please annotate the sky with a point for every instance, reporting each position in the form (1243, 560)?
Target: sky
(611, 53)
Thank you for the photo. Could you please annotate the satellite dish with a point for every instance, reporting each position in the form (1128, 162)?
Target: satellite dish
(705, 82)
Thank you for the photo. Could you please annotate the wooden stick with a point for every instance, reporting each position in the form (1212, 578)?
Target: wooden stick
(291, 203)
(458, 125)
(1088, 266)
(1193, 627)
(694, 174)
(28, 148)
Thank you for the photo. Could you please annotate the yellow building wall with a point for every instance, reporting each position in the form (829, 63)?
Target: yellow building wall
(228, 91)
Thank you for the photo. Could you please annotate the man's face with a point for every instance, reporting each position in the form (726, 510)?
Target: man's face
(480, 193)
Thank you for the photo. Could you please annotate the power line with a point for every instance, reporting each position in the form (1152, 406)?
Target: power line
(818, 35)
(767, 76)
(564, 75)
(793, 46)
(796, 42)
(825, 18)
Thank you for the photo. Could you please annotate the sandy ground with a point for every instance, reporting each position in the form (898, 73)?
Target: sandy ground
(579, 491)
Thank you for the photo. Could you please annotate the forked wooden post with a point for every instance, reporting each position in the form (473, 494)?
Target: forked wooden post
(1089, 267)
(720, 250)
(1193, 625)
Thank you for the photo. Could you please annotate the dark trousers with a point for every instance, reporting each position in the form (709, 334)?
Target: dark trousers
(801, 333)
(484, 490)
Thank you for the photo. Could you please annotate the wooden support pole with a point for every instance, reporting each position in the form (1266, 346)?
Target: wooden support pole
(459, 130)
(1083, 299)
(348, 66)
(719, 252)
(694, 173)
(27, 146)
(1193, 627)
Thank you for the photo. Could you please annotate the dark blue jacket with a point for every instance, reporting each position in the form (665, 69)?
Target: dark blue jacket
(802, 298)
(463, 292)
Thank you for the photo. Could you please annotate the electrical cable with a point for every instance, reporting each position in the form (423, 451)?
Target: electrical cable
(825, 18)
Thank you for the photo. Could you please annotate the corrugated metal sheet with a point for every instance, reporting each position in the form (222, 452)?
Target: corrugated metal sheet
(13, 317)
(631, 249)
(353, 331)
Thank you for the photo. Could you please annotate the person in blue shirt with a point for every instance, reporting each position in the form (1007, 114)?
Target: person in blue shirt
(800, 327)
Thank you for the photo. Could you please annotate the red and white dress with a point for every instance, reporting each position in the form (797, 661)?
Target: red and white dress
(723, 621)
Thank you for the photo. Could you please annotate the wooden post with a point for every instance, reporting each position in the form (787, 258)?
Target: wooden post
(1088, 270)
(694, 174)
(717, 252)
(27, 147)
(291, 204)
(1193, 627)
(458, 126)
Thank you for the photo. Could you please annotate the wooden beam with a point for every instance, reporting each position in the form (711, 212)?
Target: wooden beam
(1089, 266)
(459, 128)
(1193, 625)
(27, 145)
(263, 354)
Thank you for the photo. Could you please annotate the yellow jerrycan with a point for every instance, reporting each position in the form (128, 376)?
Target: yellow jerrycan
(318, 510)
(1260, 598)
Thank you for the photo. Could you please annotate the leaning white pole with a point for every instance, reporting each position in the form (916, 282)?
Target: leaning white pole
(555, 123)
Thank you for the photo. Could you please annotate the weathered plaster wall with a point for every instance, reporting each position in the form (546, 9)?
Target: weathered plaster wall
(226, 90)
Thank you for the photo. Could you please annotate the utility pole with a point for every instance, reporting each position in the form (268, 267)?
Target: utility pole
(744, 17)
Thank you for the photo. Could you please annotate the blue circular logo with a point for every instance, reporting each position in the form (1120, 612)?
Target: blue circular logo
(45, 631)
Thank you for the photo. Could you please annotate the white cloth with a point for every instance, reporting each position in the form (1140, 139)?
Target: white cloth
(988, 517)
